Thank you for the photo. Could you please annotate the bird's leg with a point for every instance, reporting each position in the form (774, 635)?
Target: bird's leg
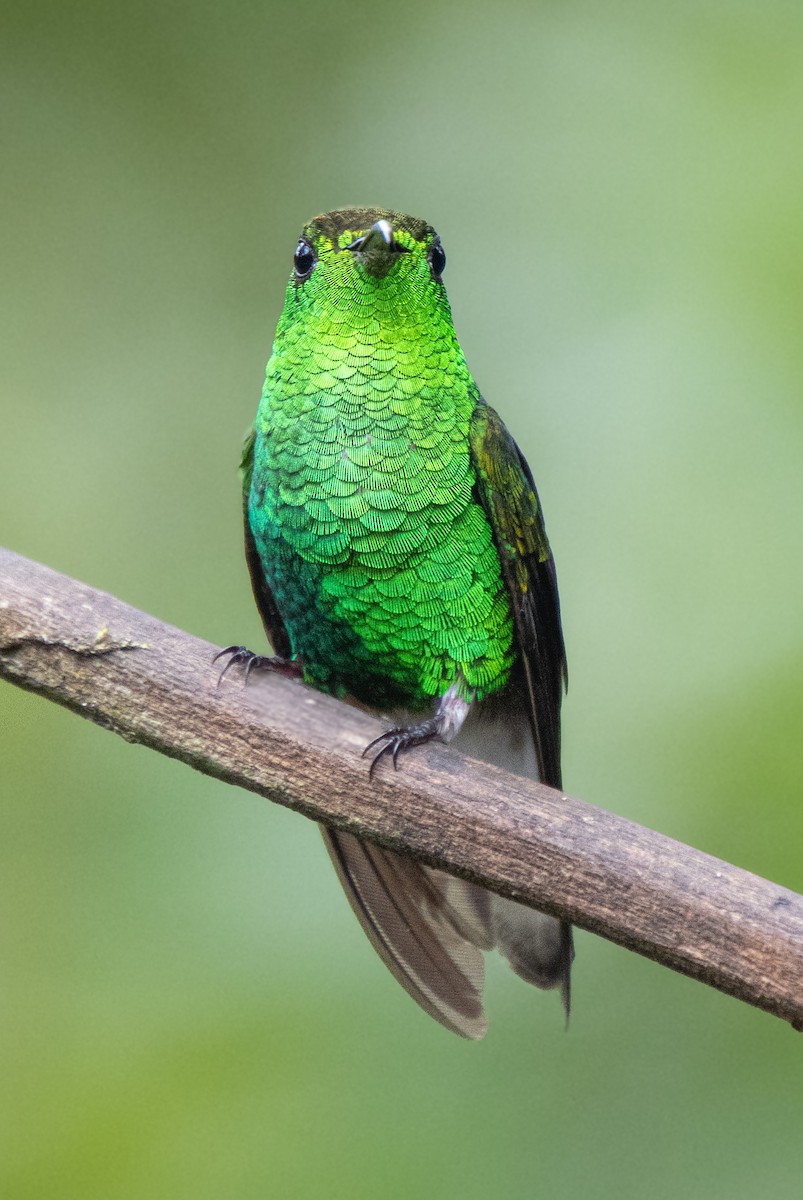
(241, 656)
(451, 711)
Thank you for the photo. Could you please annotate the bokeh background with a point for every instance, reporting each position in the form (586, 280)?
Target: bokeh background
(189, 1008)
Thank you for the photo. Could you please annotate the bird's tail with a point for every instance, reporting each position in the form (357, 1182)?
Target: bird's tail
(538, 947)
(430, 928)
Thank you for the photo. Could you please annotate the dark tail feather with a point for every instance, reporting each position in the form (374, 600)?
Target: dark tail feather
(424, 925)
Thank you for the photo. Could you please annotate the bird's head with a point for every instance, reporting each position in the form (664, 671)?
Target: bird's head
(363, 265)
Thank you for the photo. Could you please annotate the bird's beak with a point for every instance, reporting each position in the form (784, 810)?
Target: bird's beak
(379, 237)
(377, 249)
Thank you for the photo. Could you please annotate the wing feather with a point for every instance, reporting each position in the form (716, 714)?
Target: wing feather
(271, 618)
(539, 948)
(413, 917)
(507, 493)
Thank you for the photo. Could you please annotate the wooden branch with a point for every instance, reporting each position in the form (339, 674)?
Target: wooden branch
(154, 684)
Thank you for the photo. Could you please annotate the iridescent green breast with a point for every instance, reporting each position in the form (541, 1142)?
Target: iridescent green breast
(381, 563)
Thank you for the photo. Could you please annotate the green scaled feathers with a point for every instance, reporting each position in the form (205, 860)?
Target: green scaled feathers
(363, 509)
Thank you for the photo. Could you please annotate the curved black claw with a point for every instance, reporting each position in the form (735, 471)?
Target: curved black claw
(241, 656)
(402, 738)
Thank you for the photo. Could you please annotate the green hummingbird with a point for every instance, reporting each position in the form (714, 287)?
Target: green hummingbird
(399, 559)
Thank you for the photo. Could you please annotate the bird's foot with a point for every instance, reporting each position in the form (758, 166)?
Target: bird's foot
(451, 710)
(241, 656)
(401, 738)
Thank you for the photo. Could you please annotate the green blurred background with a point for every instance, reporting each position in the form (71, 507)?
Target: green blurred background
(189, 1009)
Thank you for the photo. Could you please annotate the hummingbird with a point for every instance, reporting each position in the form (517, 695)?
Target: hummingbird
(399, 559)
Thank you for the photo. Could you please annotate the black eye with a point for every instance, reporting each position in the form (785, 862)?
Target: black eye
(437, 258)
(303, 259)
